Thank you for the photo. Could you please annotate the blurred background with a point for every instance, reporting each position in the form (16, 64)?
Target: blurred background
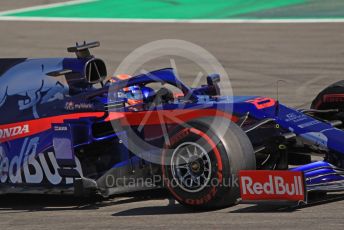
(257, 41)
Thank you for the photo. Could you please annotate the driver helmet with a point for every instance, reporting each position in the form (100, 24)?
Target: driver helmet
(132, 94)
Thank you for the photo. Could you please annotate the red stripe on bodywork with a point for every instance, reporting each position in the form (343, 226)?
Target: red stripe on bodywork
(42, 124)
(157, 117)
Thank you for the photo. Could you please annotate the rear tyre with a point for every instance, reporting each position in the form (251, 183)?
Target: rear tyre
(332, 97)
(200, 166)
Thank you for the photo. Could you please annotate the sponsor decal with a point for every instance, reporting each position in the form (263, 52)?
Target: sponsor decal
(43, 124)
(71, 106)
(295, 117)
(30, 167)
(60, 128)
(8, 133)
(256, 185)
(308, 124)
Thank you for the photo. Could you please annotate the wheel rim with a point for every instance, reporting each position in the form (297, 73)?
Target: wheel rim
(191, 167)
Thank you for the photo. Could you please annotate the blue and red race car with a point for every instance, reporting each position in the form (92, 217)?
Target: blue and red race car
(64, 130)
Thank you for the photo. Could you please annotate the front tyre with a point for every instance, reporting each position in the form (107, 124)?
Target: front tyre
(200, 166)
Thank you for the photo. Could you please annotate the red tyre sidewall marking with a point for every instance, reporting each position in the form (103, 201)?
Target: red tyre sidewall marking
(179, 136)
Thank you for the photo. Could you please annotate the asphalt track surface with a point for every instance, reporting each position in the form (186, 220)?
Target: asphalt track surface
(12, 5)
(306, 56)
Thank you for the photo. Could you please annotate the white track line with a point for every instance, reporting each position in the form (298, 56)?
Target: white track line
(46, 6)
(3, 17)
(129, 20)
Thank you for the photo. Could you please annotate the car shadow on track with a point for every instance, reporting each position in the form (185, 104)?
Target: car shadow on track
(31, 203)
(24, 202)
(14, 203)
(314, 201)
(155, 210)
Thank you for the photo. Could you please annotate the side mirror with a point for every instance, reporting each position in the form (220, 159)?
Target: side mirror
(95, 71)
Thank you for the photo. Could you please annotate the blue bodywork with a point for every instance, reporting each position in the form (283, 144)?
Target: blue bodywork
(45, 121)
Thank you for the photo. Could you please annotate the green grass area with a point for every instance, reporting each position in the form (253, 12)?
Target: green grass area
(162, 9)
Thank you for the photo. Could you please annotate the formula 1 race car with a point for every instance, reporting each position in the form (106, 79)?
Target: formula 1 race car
(65, 130)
